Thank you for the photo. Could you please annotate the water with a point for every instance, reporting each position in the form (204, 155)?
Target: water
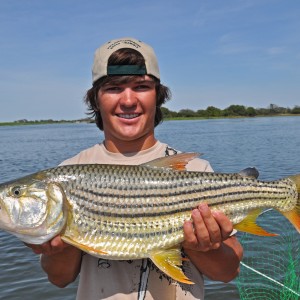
(270, 144)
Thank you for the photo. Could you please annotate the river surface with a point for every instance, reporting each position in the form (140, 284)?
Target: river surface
(272, 145)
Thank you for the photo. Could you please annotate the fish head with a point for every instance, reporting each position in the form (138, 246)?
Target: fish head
(32, 209)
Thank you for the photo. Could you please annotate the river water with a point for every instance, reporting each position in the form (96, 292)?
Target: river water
(272, 145)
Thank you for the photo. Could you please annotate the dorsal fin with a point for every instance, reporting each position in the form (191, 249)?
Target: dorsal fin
(249, 172)
(175, 162)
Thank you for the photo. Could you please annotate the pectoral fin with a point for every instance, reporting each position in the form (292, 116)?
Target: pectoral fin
(249, 224)
(170, 261)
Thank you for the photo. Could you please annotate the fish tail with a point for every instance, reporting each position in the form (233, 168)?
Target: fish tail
(294, 215)
(249, 223)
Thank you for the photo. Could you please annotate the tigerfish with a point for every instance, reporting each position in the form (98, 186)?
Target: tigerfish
(126, 212)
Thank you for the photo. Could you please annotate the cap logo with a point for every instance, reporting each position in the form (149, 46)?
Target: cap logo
(125, 42)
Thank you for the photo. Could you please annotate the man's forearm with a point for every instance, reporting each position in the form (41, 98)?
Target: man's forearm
(62, 268)
(221, 264)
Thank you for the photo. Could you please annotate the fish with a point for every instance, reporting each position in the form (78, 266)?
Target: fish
(123, 212)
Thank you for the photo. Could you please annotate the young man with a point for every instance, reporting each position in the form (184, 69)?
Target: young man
(125, 100)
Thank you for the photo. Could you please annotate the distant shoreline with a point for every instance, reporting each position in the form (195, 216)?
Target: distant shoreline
(44, 122)
(47, 122)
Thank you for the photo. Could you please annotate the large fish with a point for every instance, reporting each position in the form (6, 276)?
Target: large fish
(131, 212)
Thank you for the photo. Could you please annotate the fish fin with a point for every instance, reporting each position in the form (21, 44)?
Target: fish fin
(170, 261)
(82, 247)
(176, 162)
(294, 215)
(249, 172)
(249, 224)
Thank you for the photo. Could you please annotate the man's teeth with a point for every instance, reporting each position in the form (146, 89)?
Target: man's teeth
(128, 116)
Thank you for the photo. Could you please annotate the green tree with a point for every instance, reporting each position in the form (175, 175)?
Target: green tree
(201, 113)
(236, 110)
(251, 112)
(296, 110)
(168, 113)
(187, 113)
(212, 111)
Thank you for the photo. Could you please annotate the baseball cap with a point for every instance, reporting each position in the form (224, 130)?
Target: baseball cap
(102, 54)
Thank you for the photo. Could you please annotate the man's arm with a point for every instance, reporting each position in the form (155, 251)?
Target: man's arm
(209, 245)
(59, 260)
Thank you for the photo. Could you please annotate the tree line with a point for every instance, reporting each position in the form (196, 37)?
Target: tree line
(231, 111)
(209, 112)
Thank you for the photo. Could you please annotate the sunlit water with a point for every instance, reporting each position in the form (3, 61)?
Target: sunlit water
(272, 145)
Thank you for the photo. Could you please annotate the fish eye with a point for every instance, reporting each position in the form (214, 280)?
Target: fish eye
(16, 191)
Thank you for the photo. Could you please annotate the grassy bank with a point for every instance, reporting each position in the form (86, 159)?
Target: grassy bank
(42, 122)
(228, 117)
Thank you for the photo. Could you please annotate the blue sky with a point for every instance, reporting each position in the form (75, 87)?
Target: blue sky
(211, 52)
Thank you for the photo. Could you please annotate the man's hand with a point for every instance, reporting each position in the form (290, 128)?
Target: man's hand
(54, 246)
(59, 260)
(207, 230)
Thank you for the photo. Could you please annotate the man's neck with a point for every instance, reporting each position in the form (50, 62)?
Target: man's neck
(129, 146)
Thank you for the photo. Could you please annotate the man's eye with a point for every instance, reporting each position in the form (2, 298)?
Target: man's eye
(112, 89)
(142, 87)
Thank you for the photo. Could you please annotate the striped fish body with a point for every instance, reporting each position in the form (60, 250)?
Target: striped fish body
(131, 212)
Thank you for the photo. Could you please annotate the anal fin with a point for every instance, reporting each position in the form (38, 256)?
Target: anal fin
(170, 261)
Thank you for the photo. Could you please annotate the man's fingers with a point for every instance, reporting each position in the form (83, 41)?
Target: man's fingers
(211, 224)
(40, 249)
(225, 224)
(207, 229)
(48, 248)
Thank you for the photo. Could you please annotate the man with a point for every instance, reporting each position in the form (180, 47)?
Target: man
(125, 100)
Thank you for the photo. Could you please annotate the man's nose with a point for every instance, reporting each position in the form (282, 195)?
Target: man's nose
(128, 97)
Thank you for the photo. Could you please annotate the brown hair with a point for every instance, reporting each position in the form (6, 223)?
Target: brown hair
(124, 56)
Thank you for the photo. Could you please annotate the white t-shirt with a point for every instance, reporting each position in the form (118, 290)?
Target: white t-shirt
(134, 279)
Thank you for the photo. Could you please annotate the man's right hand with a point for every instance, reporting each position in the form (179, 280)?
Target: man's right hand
(51, 247)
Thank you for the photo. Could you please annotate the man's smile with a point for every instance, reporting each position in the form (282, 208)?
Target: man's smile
(128, 116)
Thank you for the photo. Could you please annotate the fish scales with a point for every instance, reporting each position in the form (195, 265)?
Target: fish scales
(138, 205)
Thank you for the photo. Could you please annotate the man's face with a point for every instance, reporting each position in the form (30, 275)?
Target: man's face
(128, 110)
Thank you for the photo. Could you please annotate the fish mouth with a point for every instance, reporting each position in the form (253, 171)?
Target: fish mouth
(128, 116)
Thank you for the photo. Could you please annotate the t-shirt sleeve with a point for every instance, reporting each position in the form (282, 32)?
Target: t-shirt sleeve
(199, 165)
(75, 160)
